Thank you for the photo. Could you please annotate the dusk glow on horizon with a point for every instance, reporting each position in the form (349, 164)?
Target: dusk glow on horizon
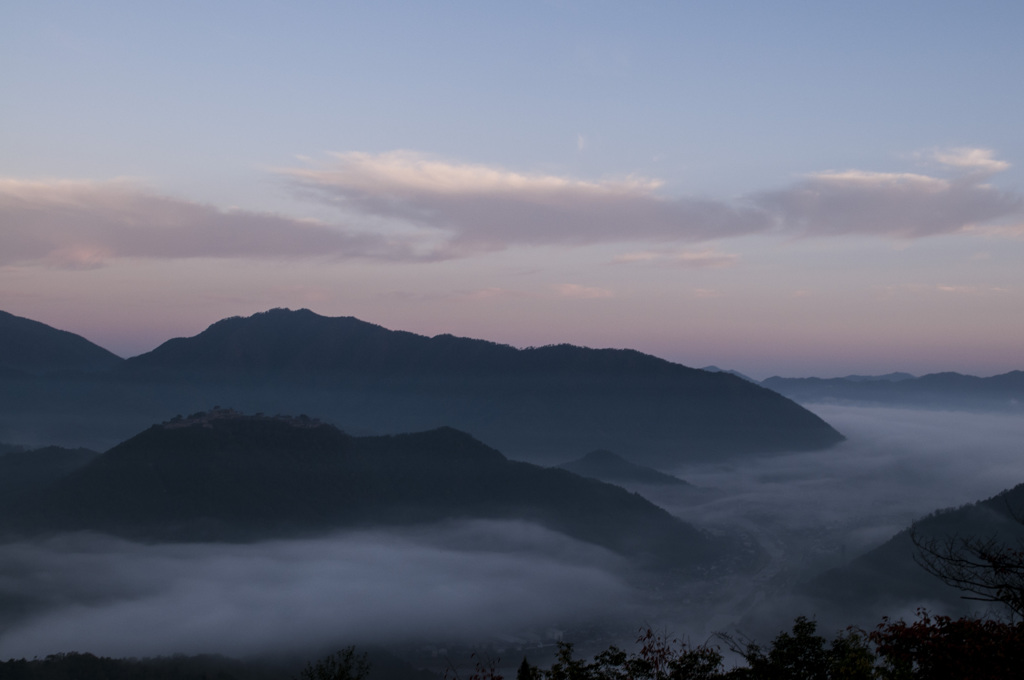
(780, 189)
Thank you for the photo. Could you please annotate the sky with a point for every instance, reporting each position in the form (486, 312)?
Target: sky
(785, 188)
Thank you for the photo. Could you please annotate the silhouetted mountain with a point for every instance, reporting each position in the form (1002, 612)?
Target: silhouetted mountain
(888, 575)
(609, 467)
(25, 472)
(533, 403)
(716, 369)
(221, 476)
(301, 343)
(31, 347)
(888, 377)
(937, 390)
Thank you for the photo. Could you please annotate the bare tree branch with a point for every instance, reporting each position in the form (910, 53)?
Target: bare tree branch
(986, 567)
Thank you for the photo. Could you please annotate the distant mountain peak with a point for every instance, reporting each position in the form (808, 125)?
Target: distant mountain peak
(888, 377)
(533, 403)
(221, 475)
(217, 414)
(603, 456)
(934, 390)
(716, 369)
(31, 347)
(611, 467)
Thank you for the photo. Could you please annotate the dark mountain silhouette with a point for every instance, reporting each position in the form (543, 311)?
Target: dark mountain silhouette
(23, 473)
(304, 343)
(889, 576)
(533, 403)
(10, 448)
(716, 369)
(935, 390)
(887, 377)
(31, 347)
(609, 467)
(222, 476)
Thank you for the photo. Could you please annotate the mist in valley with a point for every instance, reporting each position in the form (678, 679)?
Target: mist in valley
(460, 582)
(513, 584)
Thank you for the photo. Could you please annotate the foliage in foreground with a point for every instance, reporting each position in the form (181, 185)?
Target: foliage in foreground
(345, 664)
(932, 648)
(84, 666)
(342, 665)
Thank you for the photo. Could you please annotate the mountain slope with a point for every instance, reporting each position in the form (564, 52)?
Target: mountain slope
(889, 574)
(609, 467)
(222, 476)
(937, 390)
(533, 403)
(28, 346)
(25, 472)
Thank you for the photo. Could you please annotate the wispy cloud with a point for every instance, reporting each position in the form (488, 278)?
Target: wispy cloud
(488, 208)
(484, 208)
(930, 289)
(682, 258)
(449, 210)
(982, 160)
(901, 205)
(493, 292)
(1012, 231)
(970, 290)
(573, 290)
(76, 224)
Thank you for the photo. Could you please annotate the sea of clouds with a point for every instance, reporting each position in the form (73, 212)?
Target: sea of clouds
(486, 580)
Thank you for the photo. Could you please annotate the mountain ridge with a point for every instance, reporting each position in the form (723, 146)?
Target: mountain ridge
(610, 467)
(226, 476)
(34, 348)
(943, 389)
(889, 572)
(533, 403)
(269, 340)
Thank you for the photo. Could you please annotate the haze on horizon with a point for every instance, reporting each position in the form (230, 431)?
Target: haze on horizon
(778, 189)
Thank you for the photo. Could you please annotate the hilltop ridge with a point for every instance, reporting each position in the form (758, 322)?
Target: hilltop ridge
(534, 403)
(936, 390)
(222, 475)
(31, 347)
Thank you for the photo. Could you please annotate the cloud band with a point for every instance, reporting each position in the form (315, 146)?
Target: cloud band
(455, 210)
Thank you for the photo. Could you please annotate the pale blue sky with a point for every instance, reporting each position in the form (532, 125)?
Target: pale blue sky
(786, 187)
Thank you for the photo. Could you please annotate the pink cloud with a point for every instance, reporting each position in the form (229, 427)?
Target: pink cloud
(85, 224)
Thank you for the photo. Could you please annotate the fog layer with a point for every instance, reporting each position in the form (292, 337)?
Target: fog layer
(813, 511)
(895, 466)
(467, 581)
(509, 581)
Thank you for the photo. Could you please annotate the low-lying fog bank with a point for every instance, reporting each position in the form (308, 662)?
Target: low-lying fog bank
(511, 582)
(816, 510)
(896, 465)
(474, 580)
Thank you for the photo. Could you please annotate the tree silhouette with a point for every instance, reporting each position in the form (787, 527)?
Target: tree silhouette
(943, 648)
(804, 655)
(344, 664)
(986, 567)
(527, 672)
